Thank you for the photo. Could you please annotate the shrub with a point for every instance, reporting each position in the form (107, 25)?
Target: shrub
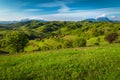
(68, 44)
(80, 42)
(111, 37)
(45, 47)
(96, 44)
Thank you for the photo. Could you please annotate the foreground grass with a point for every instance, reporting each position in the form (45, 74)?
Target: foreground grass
(94, 63)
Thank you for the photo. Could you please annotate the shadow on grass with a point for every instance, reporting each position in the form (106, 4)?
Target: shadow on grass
(3, 52)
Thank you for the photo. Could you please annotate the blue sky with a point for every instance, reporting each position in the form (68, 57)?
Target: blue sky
(71, 10)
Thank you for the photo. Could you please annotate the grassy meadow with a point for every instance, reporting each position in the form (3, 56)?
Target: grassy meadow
(87, 63)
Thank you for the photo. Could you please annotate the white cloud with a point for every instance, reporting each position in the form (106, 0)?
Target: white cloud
(6, 14)
(82, 14)
(4, 11)
(102, 15)
(56, 3)
(50, 4)
(71, 15)
(64, 8)
(33, 10)
(63, 5)
(115, 17)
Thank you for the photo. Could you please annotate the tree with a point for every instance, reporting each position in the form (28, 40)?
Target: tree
(111, 37)
(15, 41)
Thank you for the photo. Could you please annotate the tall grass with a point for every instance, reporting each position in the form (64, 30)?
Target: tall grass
(94, 63)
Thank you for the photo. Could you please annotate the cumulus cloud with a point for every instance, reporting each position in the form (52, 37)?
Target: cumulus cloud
(102, 15)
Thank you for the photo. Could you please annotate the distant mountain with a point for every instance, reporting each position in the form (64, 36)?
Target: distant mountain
(8, 22)
(91, 19)
(22, 20)
(100, 19)
(42, 20)
(103, 19)
(27, 19)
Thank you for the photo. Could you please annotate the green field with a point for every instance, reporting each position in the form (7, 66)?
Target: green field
(89, 63)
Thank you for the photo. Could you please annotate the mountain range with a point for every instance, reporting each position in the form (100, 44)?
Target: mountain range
(98, 19)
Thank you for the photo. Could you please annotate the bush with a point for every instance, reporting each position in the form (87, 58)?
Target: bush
(111, 37)
(80, 42)
(68, 44)
(45, 47)
(97, 44)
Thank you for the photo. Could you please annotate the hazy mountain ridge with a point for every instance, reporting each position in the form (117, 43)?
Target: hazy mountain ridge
(22, 20)
(98, 19)
(102, 19)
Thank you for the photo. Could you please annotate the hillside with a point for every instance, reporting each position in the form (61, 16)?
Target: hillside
(61, 34)
(90, 63)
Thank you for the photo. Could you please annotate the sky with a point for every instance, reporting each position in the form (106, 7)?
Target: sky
(58, 10)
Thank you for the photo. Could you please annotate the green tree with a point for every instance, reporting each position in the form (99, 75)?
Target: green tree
(15, 41)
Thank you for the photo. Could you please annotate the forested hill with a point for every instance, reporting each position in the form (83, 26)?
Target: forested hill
(61, 32)
(86, 29)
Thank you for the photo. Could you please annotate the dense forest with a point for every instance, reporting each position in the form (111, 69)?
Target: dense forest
(41, 36)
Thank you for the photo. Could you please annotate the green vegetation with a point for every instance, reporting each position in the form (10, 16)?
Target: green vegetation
(61, 34)
(60, 50)
(14, 41)
(88, 63)
(111, 37)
